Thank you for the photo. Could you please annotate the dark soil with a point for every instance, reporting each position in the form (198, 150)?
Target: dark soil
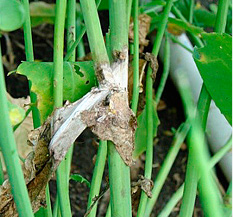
(85, 147)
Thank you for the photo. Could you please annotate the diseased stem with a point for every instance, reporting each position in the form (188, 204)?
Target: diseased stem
(8, 148)
(97, 176)
(119, 173)
(149, 108)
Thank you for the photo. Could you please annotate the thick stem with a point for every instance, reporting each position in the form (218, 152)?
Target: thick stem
(149, 108)
(95, 36)
(8, 148)
(119, 173)
(119, 178)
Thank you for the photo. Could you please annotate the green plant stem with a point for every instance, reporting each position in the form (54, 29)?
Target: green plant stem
(71, 31)
(94, 32)
(119, 179)
(118, 25)
(149, 107)
(166, 67)
(8, 147)
(175, 40)
(203, 108)
(119, 173)
(80, 47)
(71, 17)
(176, 197)
(108, 213)
(26, 114)
(63, 193)
(30, 58)
(80, 36)
(135, 60)
(129, 7)
(1, 172)
(209, 193)
(221, 19)
(179, 138)
(191, 10)
(97, 176)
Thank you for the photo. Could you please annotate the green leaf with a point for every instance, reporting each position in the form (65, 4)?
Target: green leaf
(79, 78)
(214, 62)
(204, 17)
(140, 134)
(81, 179)
(12, 15)
(42, 12)
(177, 23)
(16, 113)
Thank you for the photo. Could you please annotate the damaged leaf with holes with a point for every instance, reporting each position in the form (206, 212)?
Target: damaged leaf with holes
(79, 78)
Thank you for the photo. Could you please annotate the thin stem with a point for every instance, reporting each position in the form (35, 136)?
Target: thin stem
(80, 36)
(176, 197)
(221, 18)
(135, 60)
(175, 40)
(1, 172)
(129, 7)
(30, 57)
(166, 67)
(179, 137)
(80, 46)
(94, 32)
(62, 184)
(149, 107)
(191, 10)
(71, 15)
(8, 147)
(97, 176)
(203, 108)
(199, 155)
(108, 213)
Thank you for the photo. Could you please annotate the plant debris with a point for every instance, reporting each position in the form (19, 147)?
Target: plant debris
(114, 122)
(143, 183)
(144, 27)
(38, 169)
